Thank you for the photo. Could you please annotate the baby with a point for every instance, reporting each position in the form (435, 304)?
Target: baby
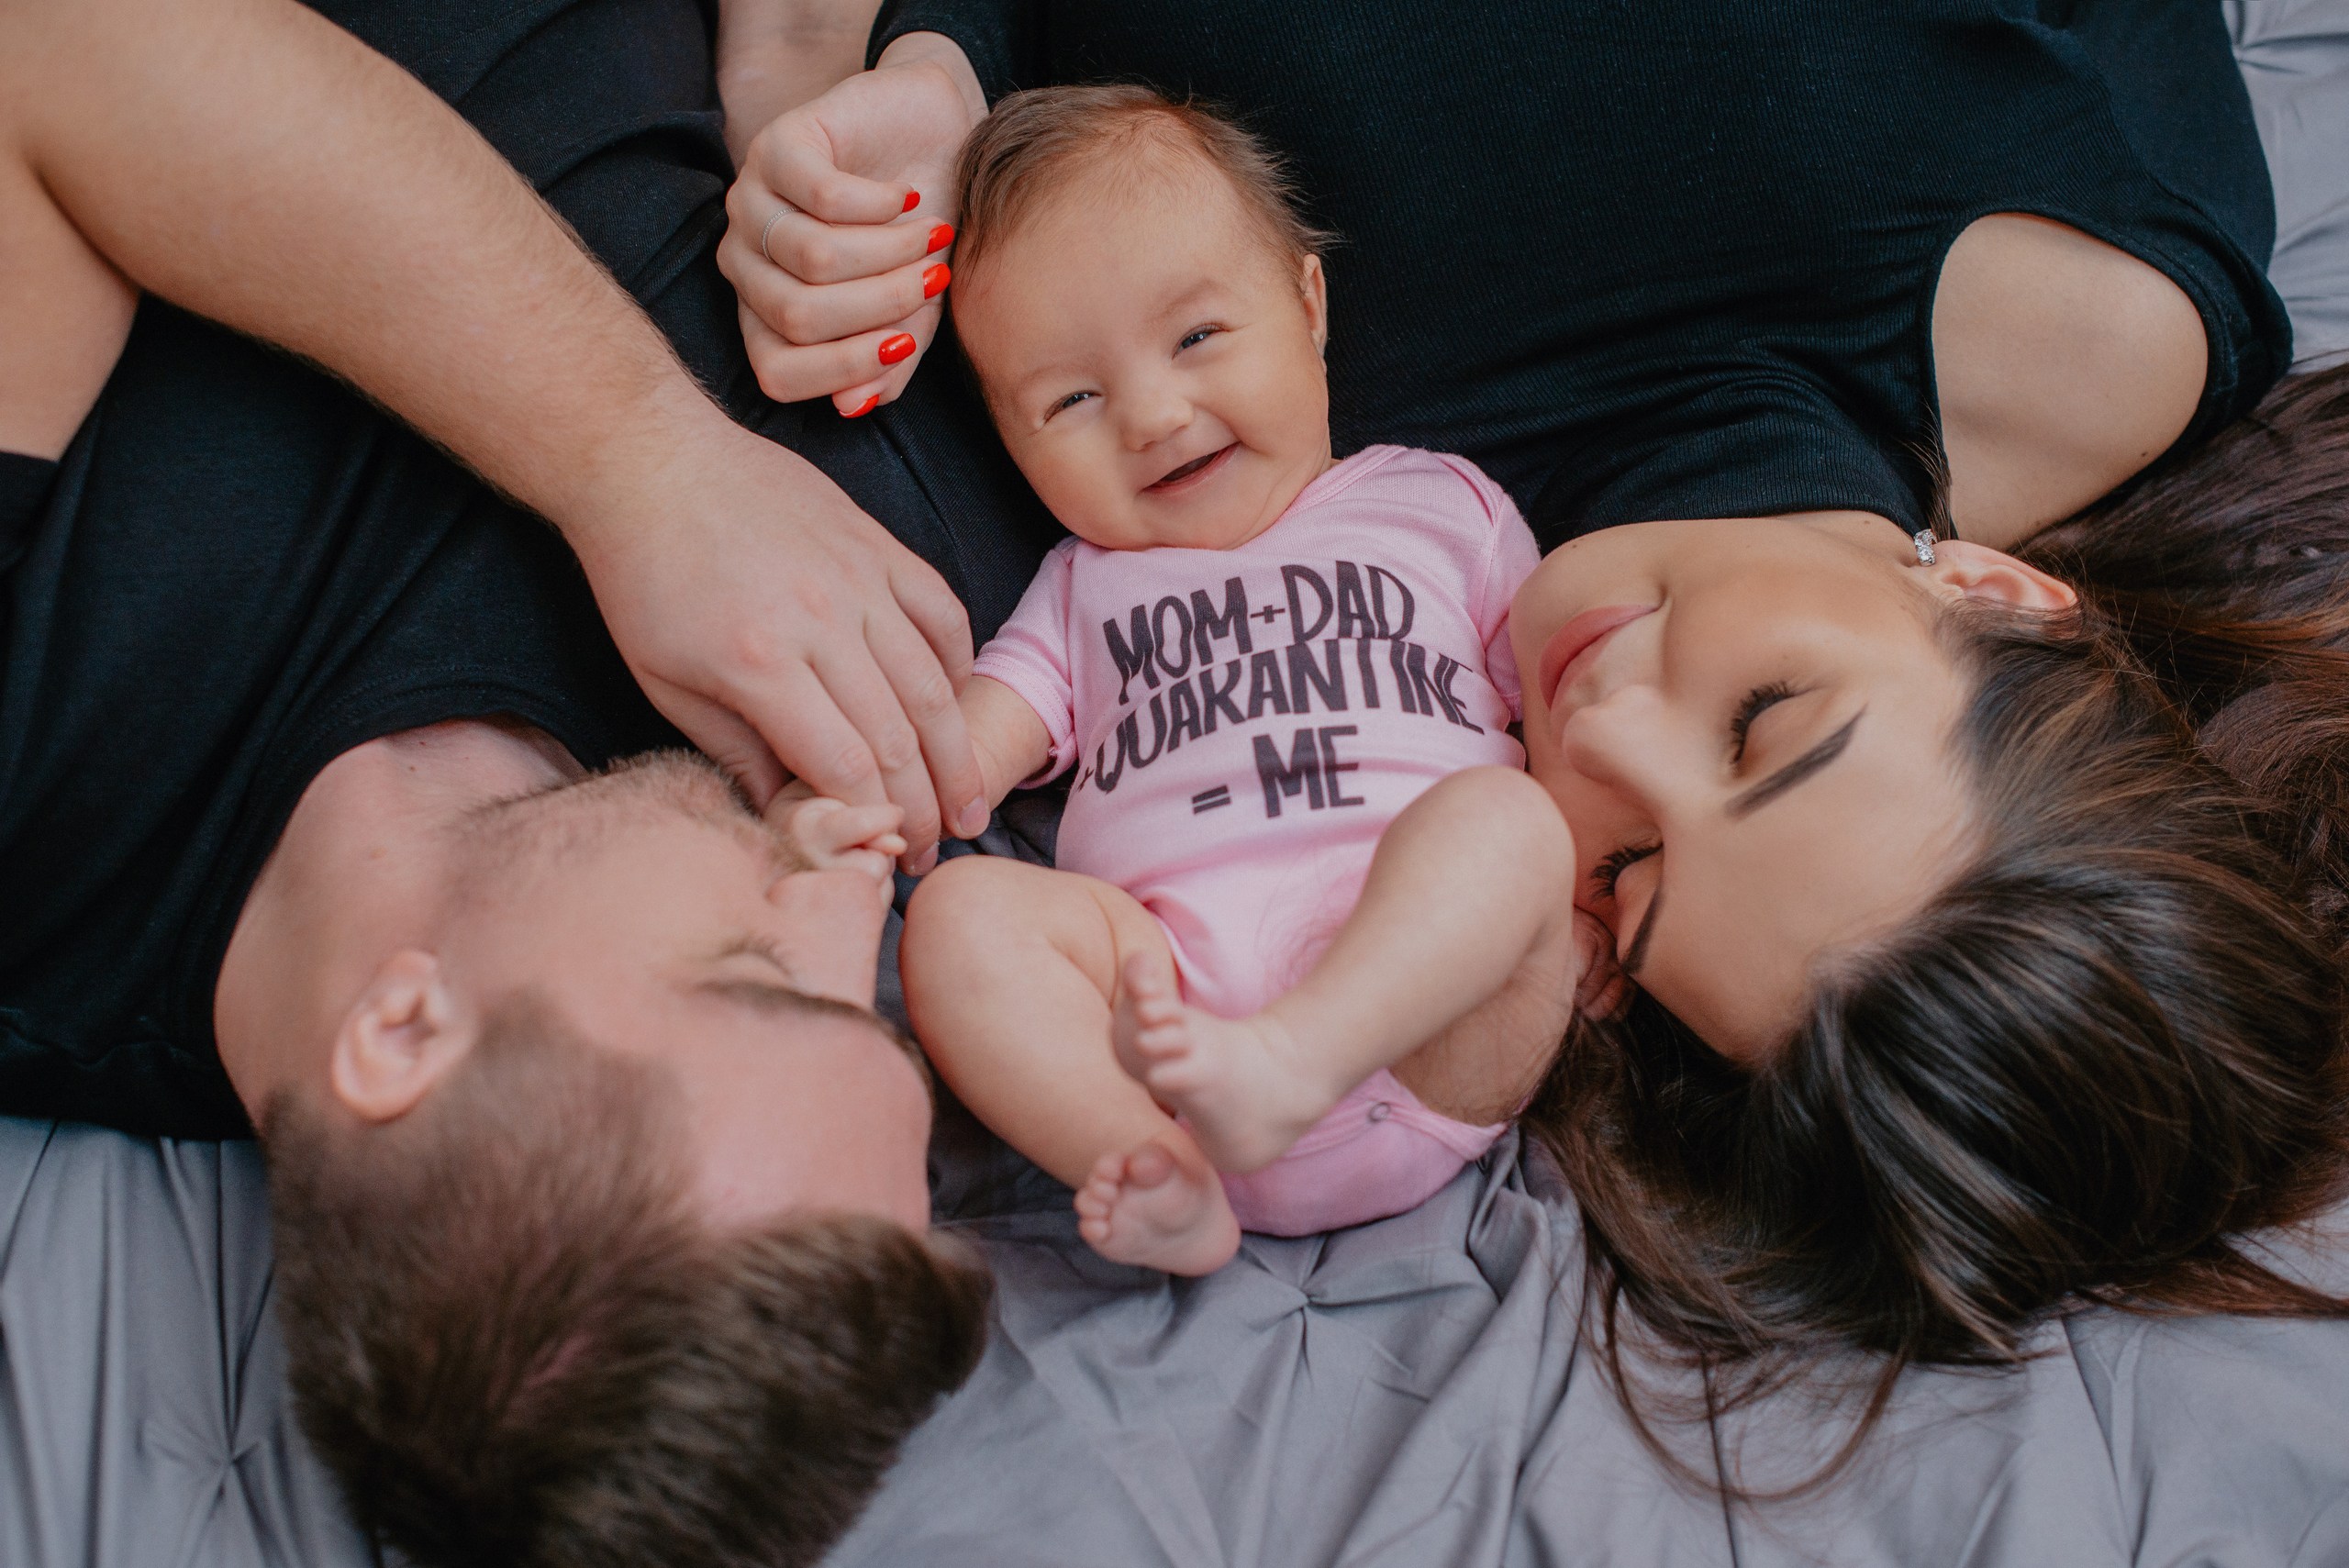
(1310, 943)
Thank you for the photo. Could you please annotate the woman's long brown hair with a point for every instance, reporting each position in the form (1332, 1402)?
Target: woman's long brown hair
(2107, 1053)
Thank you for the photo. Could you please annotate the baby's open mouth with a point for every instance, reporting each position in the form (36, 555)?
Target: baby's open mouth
(1197, 466)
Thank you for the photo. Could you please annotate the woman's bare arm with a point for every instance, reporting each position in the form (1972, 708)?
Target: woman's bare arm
(775, 55)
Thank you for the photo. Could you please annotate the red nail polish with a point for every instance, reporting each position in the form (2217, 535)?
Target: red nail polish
(939, 238)
(933, 281)
(861, 409)
(896, 348)
(913, 200)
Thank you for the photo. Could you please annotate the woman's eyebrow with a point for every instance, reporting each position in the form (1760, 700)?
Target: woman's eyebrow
(1794, 772)
(1638, 952)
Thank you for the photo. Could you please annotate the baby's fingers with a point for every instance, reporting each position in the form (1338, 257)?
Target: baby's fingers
(823, 834)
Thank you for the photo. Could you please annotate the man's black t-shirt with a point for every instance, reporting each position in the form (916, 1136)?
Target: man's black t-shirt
(241, 570)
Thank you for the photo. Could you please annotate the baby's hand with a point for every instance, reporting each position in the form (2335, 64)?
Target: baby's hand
(831, 835)
(1600, 990)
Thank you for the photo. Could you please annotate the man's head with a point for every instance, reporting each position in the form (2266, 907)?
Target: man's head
(600, 1242)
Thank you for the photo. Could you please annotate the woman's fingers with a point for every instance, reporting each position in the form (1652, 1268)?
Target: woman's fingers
(874, 363)
(795, 158)
(805, 314)
(817, 252)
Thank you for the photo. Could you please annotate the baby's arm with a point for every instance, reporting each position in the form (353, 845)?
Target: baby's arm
(1010, 739)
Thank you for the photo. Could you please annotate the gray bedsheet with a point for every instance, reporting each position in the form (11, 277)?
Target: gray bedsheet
(1412, 1393)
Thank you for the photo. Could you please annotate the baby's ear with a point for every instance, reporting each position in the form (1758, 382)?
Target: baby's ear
(1315, 290)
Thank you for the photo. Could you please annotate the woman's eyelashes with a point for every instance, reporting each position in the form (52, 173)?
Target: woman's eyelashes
(1611, 868)
(1757, 701)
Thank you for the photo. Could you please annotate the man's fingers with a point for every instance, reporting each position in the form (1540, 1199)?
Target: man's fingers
(936, 613)
(868, 700)
(926, 694)
(807, 728)
(817, 252)
(726, 740)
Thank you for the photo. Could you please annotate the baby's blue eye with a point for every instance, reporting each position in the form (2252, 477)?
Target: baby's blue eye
(1200, 335)
(1071, 401)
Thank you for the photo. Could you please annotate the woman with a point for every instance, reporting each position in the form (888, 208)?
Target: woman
(1970, 977)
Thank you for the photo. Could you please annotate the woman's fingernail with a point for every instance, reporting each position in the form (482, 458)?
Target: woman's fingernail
(973, 819)
(933, 281)
(893, 348)
(913, 200)
(861, 409)
(939, 238)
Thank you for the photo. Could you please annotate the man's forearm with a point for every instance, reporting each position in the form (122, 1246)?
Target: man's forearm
(253, 163)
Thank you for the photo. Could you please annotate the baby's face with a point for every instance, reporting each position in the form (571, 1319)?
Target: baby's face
(1153, 360)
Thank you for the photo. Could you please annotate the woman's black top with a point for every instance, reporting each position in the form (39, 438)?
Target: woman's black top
(241, 570)
(1676, 258)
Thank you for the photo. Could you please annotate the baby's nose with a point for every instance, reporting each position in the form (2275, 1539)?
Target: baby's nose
(1153, 417)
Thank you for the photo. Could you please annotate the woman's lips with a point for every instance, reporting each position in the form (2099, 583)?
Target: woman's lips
(1579, 639)
(1193, 472)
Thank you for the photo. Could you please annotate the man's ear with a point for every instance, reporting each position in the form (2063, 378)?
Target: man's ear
(399, 1039)
(1976, 572)
(1315, 290)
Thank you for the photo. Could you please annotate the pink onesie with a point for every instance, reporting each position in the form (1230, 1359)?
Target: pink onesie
(1246, 722)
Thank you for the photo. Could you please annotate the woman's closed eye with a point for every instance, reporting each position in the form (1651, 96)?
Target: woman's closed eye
(1757, 701)
(1611, 868)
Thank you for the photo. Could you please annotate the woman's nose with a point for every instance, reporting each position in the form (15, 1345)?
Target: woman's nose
(1623, 741)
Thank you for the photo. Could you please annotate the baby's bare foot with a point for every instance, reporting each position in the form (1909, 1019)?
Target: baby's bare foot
(1235, 1080)
(1158, 1207)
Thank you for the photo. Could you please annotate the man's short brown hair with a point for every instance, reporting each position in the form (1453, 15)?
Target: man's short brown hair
(512, 1345)
(1032, 143)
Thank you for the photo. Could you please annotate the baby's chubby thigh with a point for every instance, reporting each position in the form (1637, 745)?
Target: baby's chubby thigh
(1010, 972)
(980, 916)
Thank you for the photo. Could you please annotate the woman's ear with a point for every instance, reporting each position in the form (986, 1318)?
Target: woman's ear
(1315, 290)
(1977, 571)
(399, 1039)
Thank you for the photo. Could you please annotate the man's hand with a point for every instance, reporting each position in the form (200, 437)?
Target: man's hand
(360, 223)
(841, 227)
(783, 631)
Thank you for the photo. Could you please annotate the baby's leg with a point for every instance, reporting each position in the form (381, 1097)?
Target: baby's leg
(1010, 971)
(1471, 880)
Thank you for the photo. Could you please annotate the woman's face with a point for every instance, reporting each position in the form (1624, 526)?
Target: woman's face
(1748, 725)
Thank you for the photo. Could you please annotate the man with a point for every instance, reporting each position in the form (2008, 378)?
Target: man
(599, 1188)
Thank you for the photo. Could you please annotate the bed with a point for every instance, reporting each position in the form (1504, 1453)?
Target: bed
(1411, 1393)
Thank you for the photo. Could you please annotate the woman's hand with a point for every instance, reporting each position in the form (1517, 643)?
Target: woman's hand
(840, 227)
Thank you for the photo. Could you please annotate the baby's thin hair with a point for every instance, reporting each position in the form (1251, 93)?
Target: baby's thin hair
(1033, 141)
